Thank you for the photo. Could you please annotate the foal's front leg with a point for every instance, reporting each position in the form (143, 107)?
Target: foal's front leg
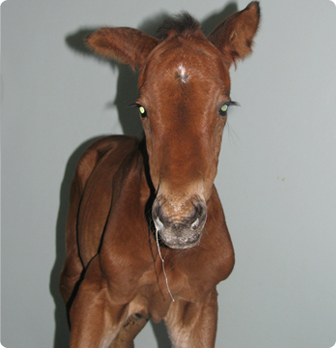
(193, 325)
(128, 332)
(94, 319)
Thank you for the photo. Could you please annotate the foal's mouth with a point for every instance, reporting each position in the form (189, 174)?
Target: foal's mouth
(181, 244)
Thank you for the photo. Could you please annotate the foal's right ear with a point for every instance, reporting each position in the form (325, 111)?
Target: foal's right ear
(127, 45)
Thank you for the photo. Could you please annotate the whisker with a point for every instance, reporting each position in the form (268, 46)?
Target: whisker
(232, 134)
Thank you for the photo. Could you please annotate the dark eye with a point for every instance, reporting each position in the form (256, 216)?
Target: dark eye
(223, 109)
(143, 112)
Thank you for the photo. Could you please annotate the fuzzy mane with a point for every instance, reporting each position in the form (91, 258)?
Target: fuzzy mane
(181, 25)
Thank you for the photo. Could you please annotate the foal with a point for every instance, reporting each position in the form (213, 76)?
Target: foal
(146, 236)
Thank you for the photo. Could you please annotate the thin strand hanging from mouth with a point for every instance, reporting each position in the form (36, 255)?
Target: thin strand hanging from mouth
(162, 262)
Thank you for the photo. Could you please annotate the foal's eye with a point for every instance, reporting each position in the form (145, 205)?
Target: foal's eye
(143, 112)
(223, 110)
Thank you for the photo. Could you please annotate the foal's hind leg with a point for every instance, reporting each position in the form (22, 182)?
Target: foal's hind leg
(73, 267)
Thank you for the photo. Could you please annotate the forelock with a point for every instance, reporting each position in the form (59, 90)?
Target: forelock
(181, 25)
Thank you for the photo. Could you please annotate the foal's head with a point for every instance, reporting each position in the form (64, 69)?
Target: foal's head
(184, 96)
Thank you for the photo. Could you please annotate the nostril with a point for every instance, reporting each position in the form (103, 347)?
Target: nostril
(200, 208)
(201, 215)
(156, 216)
(195, 224)
(158, 224)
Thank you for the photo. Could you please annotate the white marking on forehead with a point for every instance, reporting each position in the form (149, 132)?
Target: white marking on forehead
(182, 73)
(182, 70)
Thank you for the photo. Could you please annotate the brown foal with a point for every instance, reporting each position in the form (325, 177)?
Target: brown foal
(146, 236)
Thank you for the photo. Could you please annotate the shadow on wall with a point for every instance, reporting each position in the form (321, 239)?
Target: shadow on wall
(131, 125)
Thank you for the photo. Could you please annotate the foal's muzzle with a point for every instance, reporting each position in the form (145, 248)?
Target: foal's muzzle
(181, 226)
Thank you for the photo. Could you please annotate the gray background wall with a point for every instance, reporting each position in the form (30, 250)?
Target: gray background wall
(276, 174)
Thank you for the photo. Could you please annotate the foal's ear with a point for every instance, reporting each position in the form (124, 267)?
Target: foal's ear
(234, 37)
(127, 45)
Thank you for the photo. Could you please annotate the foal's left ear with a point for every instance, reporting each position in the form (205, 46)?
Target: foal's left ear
(127, 45)
(234, 36)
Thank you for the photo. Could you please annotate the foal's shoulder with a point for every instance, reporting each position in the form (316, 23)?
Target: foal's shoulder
(116, 147)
